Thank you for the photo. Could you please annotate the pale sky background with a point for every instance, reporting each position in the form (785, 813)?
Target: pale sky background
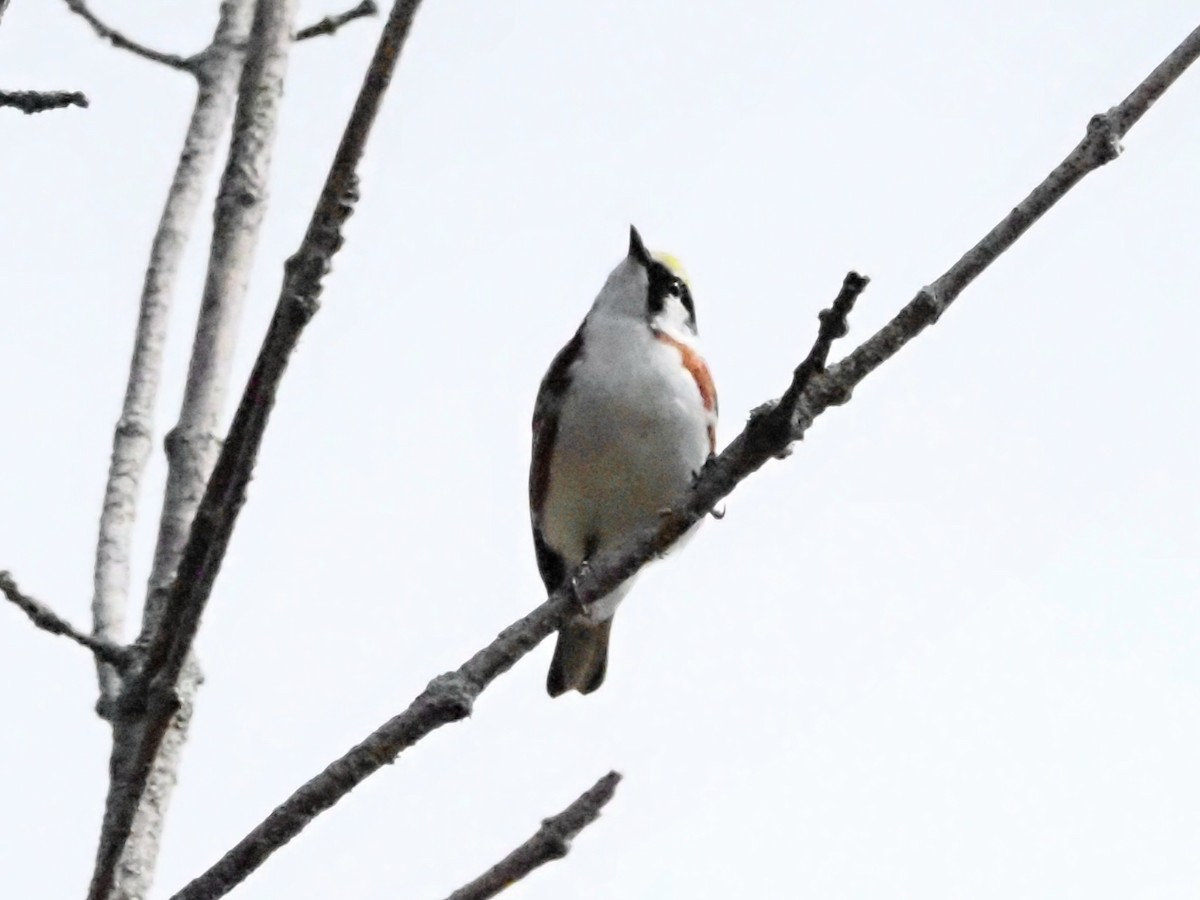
(947, 650)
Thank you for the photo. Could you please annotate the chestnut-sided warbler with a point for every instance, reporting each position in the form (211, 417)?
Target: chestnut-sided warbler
(624, 419)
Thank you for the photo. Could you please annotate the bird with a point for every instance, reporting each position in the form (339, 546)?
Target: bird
(625, 418)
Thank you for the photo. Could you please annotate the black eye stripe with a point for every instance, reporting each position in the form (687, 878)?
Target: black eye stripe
(664, 283)
(660, 285)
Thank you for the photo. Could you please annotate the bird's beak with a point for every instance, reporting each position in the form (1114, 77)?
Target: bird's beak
(637, 250)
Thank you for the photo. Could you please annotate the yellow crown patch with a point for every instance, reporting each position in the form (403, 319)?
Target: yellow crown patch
(672, 263)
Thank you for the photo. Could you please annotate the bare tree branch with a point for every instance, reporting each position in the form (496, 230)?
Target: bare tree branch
(155, 703)
(45, 619)
(552, 841)
(223, 497)
(30, 102)
(133, 813)
(834, 324)
(218, 70)
(331, 24)
(240, 206)
(450, 697)
(1099, 146)
(150, 698)
(298, 303)
(217, 76)
(121, 42)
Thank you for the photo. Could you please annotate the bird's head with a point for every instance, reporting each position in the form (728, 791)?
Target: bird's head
(651, 287)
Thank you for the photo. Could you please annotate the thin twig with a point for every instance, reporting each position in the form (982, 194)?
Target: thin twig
(133, 436)
(43, 618)
(330, 24)
(552, 841)
(118, 40)
(834, 324)
(30, 102)
(450, 697)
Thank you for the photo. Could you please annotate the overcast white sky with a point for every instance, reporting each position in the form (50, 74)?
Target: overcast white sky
(948, 649)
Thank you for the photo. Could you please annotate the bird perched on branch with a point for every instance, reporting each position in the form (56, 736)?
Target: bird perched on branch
(625, 417)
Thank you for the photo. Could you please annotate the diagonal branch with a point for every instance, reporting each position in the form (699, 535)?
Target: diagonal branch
(45, 619)
(450, 697)
(1099, 146)
(331, 24)
(30, 102)
(118, 40)
(552, 841)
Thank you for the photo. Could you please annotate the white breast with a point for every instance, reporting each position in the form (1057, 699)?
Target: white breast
(631, 434)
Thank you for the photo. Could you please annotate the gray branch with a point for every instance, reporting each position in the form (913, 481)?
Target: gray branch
(768, 434)
(331, 24)
(134, 811)
(193, 443)
(45, 619)
(118, 40)
(298, 302)
(217, 77)
(218, 70)
(150, 699)
(552, 841)
(30, 102)
(1099, 146)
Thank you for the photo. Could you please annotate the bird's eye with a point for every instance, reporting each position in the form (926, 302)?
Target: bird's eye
(677, 287)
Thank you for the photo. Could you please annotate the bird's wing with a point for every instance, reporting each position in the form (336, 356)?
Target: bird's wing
(545, 427)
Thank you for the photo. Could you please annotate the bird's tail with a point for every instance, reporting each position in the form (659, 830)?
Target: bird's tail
(580, 657)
